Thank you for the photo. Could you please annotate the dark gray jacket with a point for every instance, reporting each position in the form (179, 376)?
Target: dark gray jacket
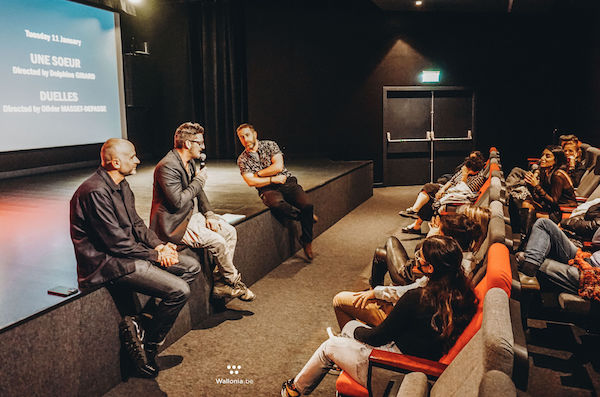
(173, 197)
(107, 233)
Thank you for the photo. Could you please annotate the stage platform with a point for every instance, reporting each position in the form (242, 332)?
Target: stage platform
(70, 346)
(37, 253)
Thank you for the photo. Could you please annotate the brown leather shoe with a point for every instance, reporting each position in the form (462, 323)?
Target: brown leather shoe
(308, 251)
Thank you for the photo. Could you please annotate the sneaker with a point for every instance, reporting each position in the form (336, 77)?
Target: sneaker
(224, 290)
(129, 332)
(248, 295)
(288, 389)
(408, 213)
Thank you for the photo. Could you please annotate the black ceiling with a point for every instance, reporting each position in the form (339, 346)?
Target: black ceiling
(489, 6)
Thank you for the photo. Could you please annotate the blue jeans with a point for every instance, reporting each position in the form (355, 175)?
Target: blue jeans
(548, 241)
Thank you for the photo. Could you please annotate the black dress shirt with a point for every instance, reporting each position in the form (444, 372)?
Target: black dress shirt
(107, 233)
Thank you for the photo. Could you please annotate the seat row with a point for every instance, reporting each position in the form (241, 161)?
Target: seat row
(490, 357)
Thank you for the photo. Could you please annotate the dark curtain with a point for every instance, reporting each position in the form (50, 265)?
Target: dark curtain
(218, 59)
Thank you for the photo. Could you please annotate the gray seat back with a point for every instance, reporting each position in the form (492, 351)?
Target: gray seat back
(591, 178)
(490, 349)
(497, 384)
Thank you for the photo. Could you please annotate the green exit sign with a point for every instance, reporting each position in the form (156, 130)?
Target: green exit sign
(430, 76)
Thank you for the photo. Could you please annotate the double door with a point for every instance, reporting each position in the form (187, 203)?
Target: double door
(427, 131)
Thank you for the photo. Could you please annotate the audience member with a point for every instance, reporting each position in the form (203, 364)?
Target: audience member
(261, 165)
(442, 180)
(425, 322)
(374, 305)
(471, 173)
(113, 247)
(178, 186)
(548, 187)
(548, 241)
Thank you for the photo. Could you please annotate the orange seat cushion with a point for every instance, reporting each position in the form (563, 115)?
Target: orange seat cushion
(348, 387)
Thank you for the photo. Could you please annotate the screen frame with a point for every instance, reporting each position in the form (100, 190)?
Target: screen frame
(43, 160)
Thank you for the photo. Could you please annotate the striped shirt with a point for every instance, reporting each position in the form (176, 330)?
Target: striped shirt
(474, 182)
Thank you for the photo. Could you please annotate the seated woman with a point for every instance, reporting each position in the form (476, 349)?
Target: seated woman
(470, 173)
(425, 322)
(469, 229)
(549, 188)
(429, 190)
(548, 241)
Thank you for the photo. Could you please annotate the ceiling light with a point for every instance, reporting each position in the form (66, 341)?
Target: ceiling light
(135, 1)
(418, 3)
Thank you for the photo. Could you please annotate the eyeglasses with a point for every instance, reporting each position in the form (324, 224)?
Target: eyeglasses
(198, 142)
(418, 259)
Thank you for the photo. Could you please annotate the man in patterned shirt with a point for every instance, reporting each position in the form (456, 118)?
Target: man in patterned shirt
(261, 166)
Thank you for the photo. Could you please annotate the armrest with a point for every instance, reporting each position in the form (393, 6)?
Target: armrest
(405, 363)
(567, 209)
(521, 355)
(528, 283)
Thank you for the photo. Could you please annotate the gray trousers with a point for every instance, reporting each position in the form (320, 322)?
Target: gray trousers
(221, 244)
(349, 354)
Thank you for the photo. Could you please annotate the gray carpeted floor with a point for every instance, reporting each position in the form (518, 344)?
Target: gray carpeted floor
(272, 337)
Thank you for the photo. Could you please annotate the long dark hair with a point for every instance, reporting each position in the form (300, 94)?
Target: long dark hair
(560, 162)
(448, 290)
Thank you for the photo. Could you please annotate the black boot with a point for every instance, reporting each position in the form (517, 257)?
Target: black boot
(529, 220)
(378, 267)
(398, 262)
(131, 342)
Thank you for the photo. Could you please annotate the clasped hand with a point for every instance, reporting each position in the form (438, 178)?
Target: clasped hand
(167, 254)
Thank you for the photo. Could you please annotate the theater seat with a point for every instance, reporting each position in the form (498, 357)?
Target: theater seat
(345, 386)
(490, 349)
(498, 275)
